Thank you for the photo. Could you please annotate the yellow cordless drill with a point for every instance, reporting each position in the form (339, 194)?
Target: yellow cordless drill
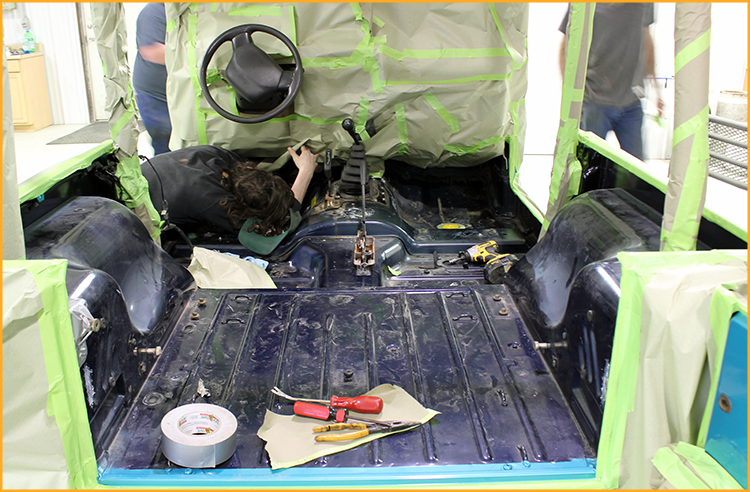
(496, 264)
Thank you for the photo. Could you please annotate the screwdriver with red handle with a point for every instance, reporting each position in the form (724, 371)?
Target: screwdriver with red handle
(360, 404)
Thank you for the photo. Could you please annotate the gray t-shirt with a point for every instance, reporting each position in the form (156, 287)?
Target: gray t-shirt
(615, 63)
(151, 28)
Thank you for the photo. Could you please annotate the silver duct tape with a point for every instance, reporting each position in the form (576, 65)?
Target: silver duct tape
(199, 435)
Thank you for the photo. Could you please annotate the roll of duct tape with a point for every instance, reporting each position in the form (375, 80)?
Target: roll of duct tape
(199, 435)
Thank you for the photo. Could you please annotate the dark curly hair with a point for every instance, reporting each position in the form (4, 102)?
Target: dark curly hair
(257, 194)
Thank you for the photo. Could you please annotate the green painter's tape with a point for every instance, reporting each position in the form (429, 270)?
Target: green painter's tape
(451, 120)
(691, 51)
(473, 149)
(255, 11)
(364, 108)
(403, 135)
(65, 400)
(464, 80)
(444, 53)
(192, 62)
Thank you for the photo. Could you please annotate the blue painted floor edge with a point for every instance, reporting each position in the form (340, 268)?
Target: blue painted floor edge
(582, 469)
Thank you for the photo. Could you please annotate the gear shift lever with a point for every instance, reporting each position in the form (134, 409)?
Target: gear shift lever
(348, 125)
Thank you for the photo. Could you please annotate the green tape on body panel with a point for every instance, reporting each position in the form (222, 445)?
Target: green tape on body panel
(123, 120)
(696, 124)
(476, 78)
(683, 234)
(638, 269)
(255, 11)
(725, 302)
(39, 184)
(361, 123)
(65, 399)
(518, 61)
(443, 53)
(579, 36)
(292, 25)
(403, 135)
(200, 116)
(473, 149)
(135, 187)
(691, 51)
(451, 120)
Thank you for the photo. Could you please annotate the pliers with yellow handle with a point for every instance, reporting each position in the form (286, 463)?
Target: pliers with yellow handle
(360, 429)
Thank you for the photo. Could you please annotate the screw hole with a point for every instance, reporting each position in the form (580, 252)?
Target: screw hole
(725, 403)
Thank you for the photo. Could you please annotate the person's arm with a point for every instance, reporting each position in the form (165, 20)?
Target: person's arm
(153, 53)
(306, 164)
(648, 56)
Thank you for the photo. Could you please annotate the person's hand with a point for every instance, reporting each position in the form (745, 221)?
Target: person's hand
(305, 160)
(306, 164)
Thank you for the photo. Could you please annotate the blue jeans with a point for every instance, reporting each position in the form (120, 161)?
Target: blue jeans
(155, 116)
(625, 122)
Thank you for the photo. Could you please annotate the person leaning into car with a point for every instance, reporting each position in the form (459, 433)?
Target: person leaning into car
(216, 187)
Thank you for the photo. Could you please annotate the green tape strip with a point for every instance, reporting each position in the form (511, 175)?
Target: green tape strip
(136, 194)
(360, 125)
(292, 25)
(255, 11)
(451, 120)
(473, 149)
(125, 118)
(171, 25)
(695, 125)
(566, 168)
(65, 400)
(200, 115)
(691, 51)
(638, 268)
(724, 304)
(476, 78)
(683, 234)
(378, 21)
(444, 53)
(669, 464)
(514, 157)
(403, 135)
(39, 184)
(518, 60)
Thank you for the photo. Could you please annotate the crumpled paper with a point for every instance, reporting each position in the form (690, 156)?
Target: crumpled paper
(212, 270)
(290, 440)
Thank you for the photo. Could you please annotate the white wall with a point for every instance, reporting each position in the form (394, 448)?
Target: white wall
(55, 25)
(728, 69)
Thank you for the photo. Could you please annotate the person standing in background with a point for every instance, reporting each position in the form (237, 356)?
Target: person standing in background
(150, 75)
(620, 57)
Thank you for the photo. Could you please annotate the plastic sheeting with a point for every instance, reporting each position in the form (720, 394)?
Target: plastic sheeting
(664, 356)
(13, 247)
(47, 442)
(443, 84)
(212, 270)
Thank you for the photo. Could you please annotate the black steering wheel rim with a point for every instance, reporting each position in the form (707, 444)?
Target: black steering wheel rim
(249, 29)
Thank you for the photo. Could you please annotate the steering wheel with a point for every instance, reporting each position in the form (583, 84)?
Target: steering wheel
(261, 85)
